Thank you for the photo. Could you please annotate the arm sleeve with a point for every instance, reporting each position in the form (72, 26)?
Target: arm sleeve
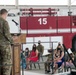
(7, 32)
(42, 49)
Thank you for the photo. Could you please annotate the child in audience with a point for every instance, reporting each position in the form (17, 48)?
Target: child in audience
(27, 52)
(23, 61)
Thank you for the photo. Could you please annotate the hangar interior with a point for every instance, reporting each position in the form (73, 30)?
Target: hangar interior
(22, 18)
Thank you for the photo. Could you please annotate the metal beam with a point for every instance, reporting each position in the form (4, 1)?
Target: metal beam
(35, 6)
(8, 6)
(69, 5)
(16, 3)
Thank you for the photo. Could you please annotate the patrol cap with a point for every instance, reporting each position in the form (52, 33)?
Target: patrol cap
(39, 41)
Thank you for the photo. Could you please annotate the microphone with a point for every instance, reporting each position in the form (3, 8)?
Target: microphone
(17, 26)
(15, 22)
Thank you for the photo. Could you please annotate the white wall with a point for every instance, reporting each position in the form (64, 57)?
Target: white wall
(12, 25)
(45, 41)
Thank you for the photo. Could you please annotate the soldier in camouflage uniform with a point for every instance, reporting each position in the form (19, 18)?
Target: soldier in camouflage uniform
(5, 45)
(40, 49)
(47, 63)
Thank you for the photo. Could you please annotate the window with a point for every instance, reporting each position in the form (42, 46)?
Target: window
(73, 2)
(7, 2)
(43, 2)
(37, 2)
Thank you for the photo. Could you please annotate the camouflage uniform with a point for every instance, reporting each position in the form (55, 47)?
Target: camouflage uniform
(5, 48)
(40, 49)
(48, 62)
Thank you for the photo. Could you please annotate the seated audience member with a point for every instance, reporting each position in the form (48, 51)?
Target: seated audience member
(59, 59)
(69, 63)
(48, 62)
(27, 53)
(60, 46)
(33, 56)
(23, 61)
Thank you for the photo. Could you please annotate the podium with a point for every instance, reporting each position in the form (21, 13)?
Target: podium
(16, 53)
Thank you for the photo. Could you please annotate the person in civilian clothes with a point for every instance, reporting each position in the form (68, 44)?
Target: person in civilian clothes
(27, 53)
(23, 60)
(33, 56)
(59, 59)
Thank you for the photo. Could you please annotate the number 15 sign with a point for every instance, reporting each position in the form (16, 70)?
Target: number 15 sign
(37, 22)
(42, 21)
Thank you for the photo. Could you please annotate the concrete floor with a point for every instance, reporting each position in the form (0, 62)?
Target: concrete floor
(38, 71)
(34, 73)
